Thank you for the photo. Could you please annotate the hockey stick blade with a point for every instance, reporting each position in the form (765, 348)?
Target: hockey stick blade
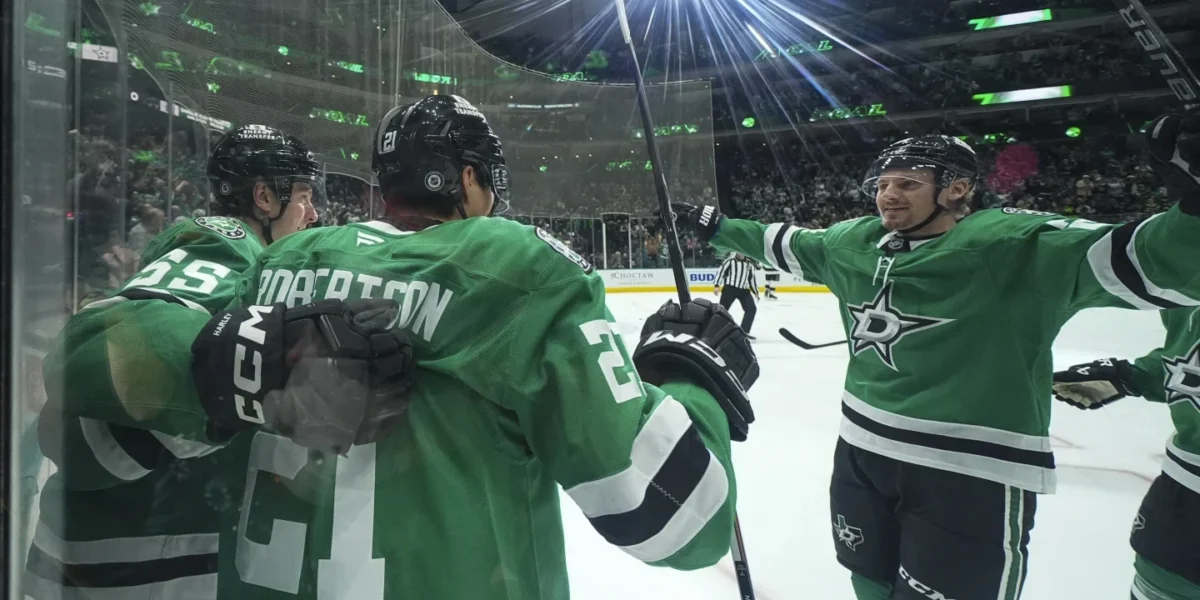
(1162, 54)
(787, 335)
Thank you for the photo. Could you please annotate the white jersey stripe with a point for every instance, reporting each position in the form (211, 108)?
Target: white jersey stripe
(1154, 290)
(1181, 454)
(1183, 476)
(768, 245)
(1100, 259)
(704, 502)
(108, 452)
(122, 550)
(198, 587)
(1027, 477)
(625, 491)
(956, 430)
(183, 448)
(789, 256)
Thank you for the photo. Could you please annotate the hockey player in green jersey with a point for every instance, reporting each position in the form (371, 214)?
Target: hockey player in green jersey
(133, 510)
(524, 384)
(1167, 525)
(950, 316)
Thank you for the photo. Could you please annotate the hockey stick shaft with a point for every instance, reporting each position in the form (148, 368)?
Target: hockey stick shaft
(1162, 54)
(671, 237)
(660, 177)
(787, 335)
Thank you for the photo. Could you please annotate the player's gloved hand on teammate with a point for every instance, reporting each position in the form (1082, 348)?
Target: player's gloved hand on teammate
(701, 343)
(705, 220)
(327, 375)
(1095, 384)
(1173, 141)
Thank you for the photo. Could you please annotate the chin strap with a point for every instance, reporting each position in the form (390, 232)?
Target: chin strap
(933, 214)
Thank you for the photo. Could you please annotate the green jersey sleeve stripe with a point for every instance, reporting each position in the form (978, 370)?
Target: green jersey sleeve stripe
(1113, 262)
(625, 491)
(108, 451)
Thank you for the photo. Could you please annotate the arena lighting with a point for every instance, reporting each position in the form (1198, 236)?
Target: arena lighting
(848, 112)
(1042, 93)
(1021, 18)
(338, 116)
(795, 50)
(432, 78)
(667, 130)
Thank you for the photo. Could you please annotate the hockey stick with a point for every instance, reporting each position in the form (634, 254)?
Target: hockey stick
(1154, 42)
(671, 237)
(787, 335)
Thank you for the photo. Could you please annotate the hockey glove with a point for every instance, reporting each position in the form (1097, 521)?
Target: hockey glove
(1095, 384)
(1173, 142)
(326, 375)
(700, 342)
(705, 220)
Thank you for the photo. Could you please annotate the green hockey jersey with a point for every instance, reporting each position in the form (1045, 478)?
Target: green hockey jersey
(134, 508)
(1171, 374)
(950, 362)
(524, 384)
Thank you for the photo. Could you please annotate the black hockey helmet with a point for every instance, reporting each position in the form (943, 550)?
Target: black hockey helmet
(421, 149)
(948, 157)
(253, 153)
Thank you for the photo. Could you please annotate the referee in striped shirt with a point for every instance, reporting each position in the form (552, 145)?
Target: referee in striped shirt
(737, 275)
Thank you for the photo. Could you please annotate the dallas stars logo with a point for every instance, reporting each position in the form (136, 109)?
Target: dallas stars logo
(879, 326)
(1183, 378)
(850, 536)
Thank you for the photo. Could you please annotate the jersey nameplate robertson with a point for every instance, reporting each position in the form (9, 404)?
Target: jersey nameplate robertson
(564, 250)
(226, 226)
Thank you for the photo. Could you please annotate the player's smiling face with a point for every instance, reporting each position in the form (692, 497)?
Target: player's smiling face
(904, 197)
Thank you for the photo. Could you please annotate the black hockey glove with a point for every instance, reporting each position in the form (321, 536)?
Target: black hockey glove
(701, 343)
(326, 375)
(1173, 141)
(703, 219)
(1095, 384)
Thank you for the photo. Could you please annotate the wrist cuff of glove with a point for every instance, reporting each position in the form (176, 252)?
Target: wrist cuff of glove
(670, 360)
(236, 361)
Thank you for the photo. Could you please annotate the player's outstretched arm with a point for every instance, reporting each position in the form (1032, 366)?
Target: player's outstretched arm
(649, 466)
(1148, 264)
(800, 252)
(118, 378)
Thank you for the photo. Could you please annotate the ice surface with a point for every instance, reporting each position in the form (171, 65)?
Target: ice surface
(1079, 547)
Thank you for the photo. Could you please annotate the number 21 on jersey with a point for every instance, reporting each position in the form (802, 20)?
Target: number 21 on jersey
(351, 572)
